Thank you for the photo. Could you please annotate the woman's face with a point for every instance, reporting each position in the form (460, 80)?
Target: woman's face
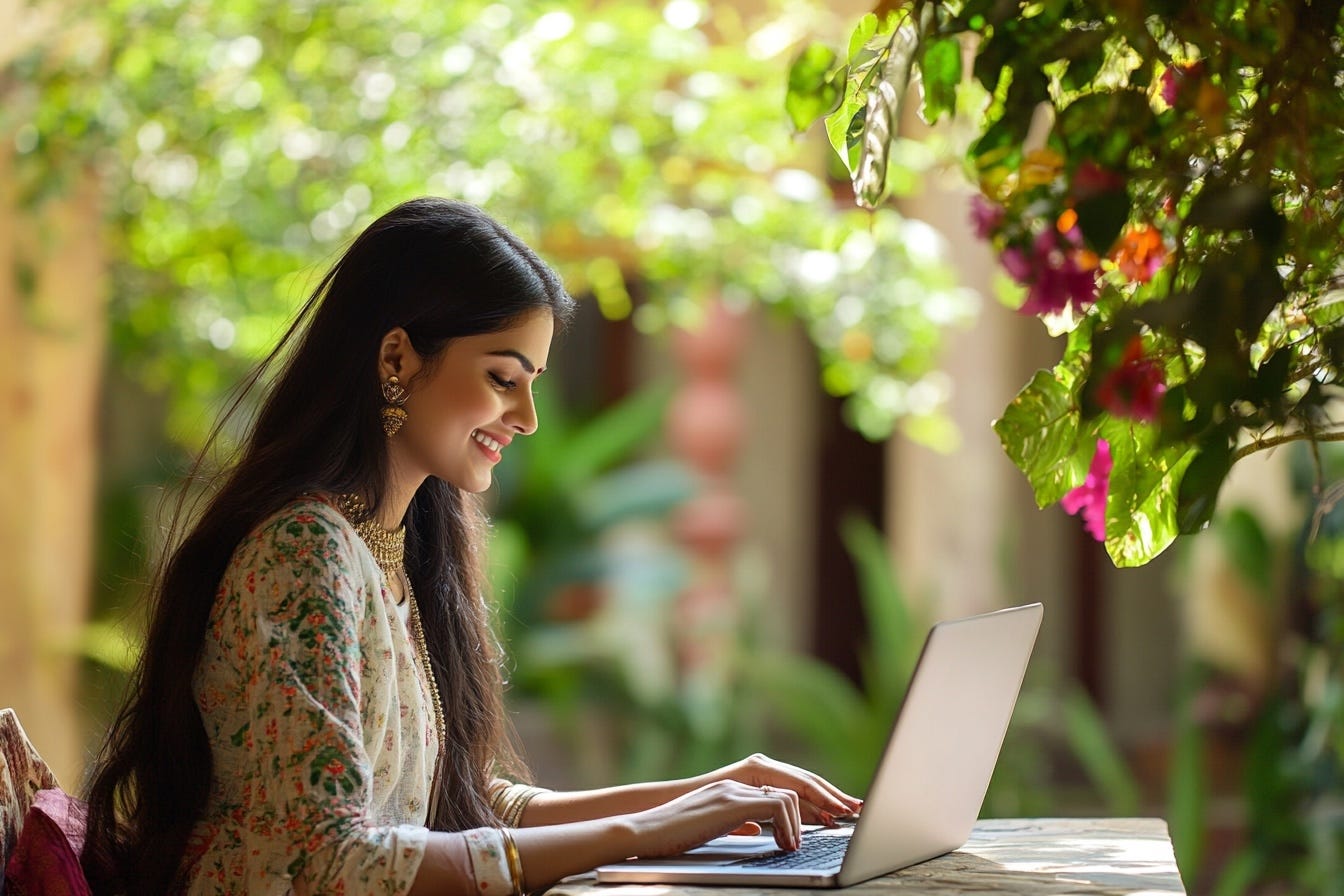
(465, 408)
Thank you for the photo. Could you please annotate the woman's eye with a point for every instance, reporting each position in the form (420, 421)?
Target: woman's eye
(502, 383)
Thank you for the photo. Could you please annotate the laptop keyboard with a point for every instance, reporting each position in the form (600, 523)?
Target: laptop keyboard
(814, 852)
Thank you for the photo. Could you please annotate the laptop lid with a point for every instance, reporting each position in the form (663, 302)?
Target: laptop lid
(931, 780)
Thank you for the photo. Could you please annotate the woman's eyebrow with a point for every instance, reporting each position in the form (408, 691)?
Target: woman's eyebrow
(518, 356)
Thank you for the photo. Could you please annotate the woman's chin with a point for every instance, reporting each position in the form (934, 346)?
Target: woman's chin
(475, 482)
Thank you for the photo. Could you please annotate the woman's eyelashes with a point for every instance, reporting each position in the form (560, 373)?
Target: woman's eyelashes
(501, 383)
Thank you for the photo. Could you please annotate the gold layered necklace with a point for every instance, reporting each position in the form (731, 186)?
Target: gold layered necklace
(389, 552)
(388, 548)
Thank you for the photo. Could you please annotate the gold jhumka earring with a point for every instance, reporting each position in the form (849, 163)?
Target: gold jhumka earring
(394, 415)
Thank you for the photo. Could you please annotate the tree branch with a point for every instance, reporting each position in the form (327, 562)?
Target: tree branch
(1285, 438)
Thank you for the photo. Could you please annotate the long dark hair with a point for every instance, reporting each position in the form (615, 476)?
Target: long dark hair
(442, 270)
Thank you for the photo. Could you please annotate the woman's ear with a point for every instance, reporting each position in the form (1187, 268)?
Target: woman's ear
(397, 357)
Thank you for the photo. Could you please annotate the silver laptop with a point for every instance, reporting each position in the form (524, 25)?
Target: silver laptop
(929, 785)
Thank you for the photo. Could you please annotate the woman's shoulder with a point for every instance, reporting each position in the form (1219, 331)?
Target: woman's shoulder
(315, 515)
(305, 530)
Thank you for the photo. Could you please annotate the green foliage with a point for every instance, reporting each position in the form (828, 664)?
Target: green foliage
(840, 725)
(1187, 801)
(1187, 195)
(564, 488)
(242, 143)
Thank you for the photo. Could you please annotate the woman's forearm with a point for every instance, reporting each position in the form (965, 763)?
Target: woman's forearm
(562, 807)
(547, 854)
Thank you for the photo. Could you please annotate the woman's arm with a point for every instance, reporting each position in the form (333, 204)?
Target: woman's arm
(554, 851)
(819, 800)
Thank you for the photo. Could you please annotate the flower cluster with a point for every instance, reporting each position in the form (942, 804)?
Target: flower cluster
(1030, 216)
(1036, 231)
(1057, 271)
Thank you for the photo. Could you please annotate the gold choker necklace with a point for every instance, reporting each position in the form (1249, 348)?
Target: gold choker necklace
(388, 548)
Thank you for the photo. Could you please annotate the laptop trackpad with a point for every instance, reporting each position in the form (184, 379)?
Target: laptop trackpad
(731, 847)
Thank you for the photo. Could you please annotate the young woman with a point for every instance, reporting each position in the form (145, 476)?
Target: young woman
(319, 705)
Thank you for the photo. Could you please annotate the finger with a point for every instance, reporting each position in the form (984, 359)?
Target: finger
(818, 786)
(747, 829)
(811, 813)
(809, 784)
(816, 789)
(784, 811)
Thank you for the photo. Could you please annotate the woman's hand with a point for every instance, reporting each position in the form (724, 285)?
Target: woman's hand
(819, 801)
(712, 810)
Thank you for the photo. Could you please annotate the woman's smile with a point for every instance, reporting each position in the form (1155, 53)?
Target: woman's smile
(490, 446)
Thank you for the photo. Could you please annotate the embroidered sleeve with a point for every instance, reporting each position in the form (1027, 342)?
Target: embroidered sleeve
(282, 706)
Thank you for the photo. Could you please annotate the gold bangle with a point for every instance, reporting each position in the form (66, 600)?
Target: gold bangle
(515, 862)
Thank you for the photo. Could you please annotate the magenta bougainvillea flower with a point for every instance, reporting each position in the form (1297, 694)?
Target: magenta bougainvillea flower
(1090, 497)
(1175, 77)
(1134, 389)
(986, 216)
(1057, 273)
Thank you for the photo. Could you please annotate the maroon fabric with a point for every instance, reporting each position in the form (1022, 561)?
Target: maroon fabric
(45, 861)
(22, 775)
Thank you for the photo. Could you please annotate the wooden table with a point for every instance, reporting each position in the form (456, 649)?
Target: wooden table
(1025, 856)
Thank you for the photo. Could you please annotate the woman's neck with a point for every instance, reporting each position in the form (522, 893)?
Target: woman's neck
(402, 484)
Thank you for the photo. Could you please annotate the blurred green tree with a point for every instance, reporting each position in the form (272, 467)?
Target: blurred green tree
(230, 147)
(242, 142)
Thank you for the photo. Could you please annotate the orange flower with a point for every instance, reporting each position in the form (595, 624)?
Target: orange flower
(1140, 252)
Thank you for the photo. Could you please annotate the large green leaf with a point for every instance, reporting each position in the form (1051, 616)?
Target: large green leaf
(1039, 433)
(940, 73)
(1141, 504)
(1198, 493)
(816, 85)
(867, 56)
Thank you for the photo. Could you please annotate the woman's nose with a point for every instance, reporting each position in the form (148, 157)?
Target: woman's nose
(522, 417)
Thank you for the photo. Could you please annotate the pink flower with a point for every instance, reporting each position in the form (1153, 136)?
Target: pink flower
(986, 216)
(1090, 497)
(1016, 263)
(1174, 79)
(1135, 387)
(1056, 274)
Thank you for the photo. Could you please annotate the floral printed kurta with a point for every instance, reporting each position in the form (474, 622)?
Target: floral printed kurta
(318, 717)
